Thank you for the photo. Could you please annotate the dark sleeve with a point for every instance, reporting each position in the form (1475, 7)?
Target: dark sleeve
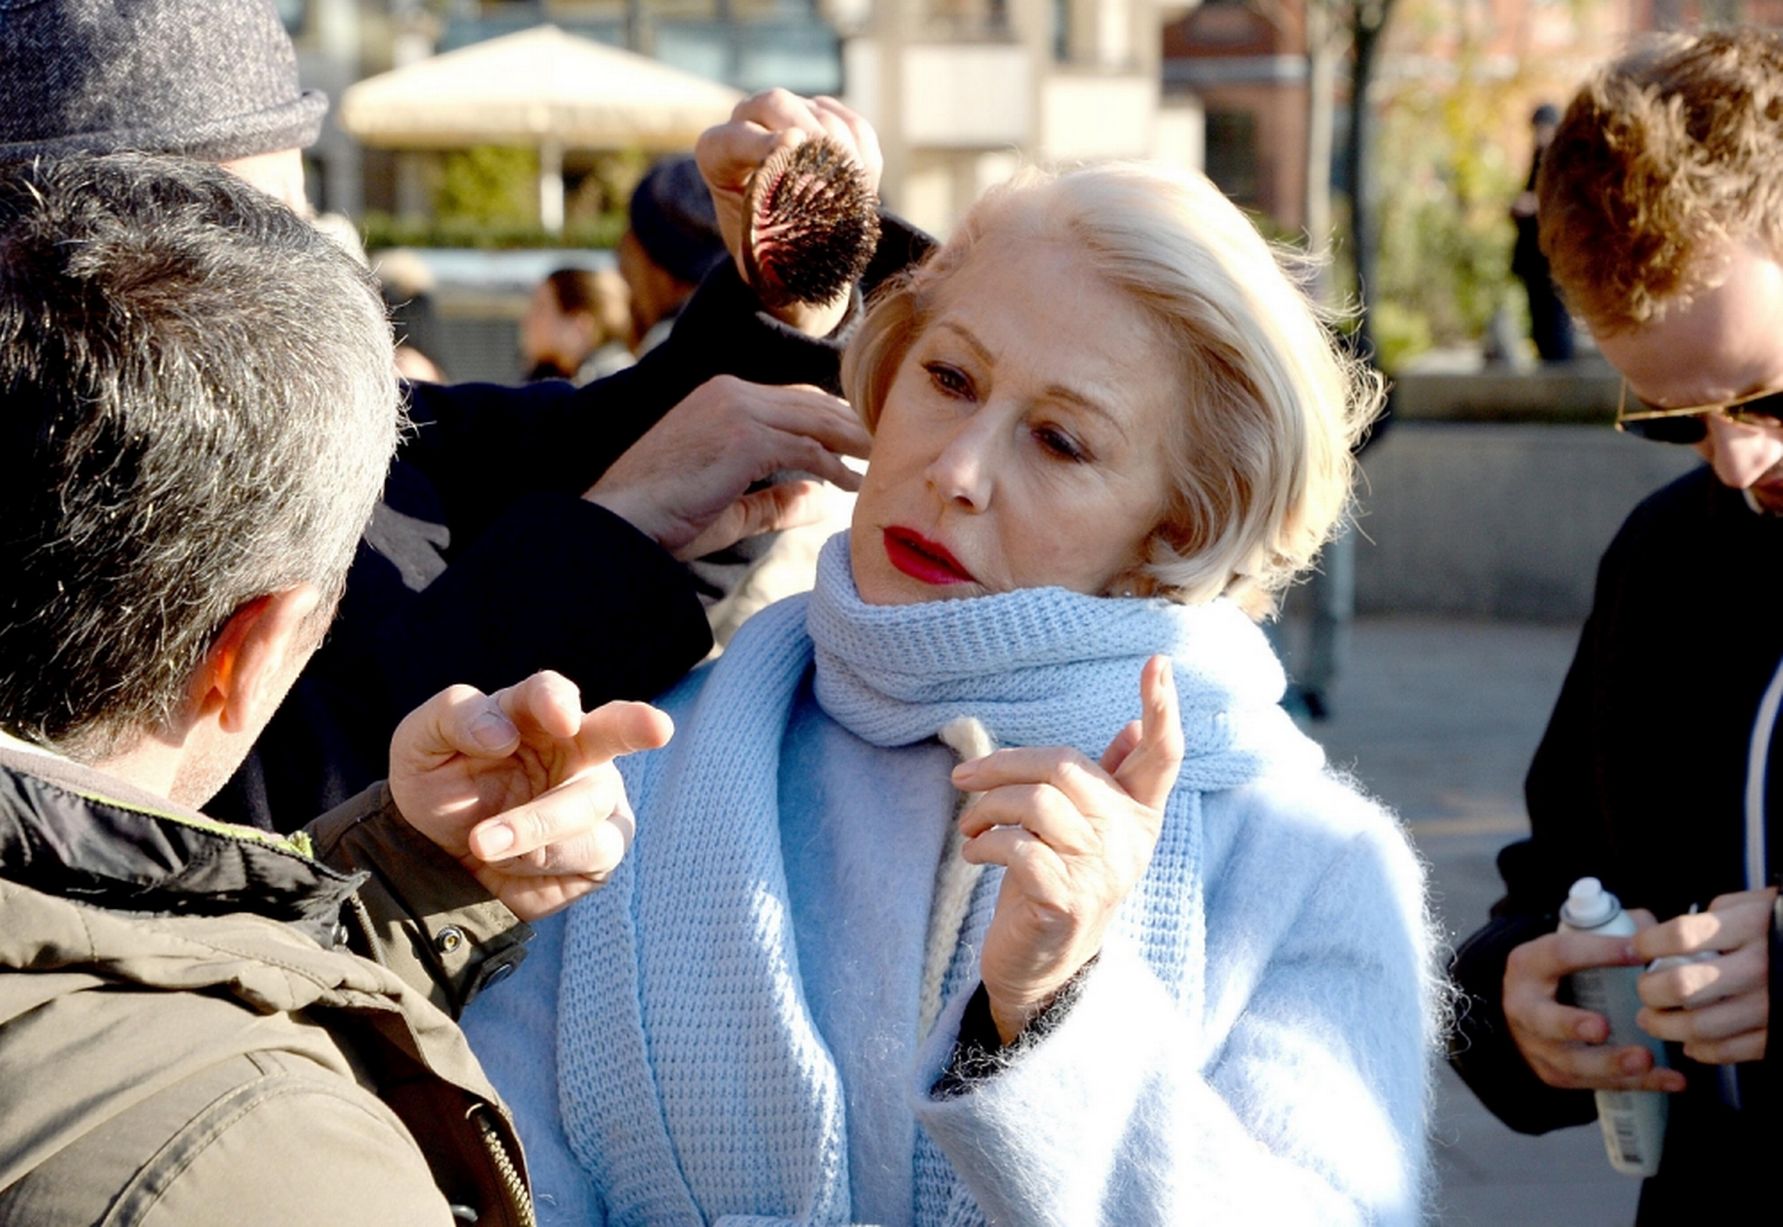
(1480, 1046)
(554, 583)
(979, 1052)
(419, 913)
(483, 445)
(1562, 797)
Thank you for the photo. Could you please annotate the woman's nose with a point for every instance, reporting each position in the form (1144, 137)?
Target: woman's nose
(962, 471)
(1740, 455)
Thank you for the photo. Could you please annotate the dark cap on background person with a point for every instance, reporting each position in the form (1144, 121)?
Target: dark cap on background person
(672, 216)
(210, 79)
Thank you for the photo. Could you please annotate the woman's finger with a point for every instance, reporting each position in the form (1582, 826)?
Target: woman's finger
(1149, 772)
(1082, 782)
(1029, 865)
(1039, 809)
(1125, 742)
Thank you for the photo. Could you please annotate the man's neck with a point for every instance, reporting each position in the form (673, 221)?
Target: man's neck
(151, 764)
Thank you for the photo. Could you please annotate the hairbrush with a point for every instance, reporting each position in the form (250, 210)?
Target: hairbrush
(810, 224)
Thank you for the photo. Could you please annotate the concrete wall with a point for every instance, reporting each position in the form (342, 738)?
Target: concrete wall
(1497, 521)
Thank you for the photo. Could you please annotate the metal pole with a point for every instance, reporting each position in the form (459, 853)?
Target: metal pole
(551, 186)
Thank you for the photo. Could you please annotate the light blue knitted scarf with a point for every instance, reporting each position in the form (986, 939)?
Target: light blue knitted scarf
(694, 1082)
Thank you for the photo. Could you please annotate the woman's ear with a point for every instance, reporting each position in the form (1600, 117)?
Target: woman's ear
(1136, 581)
(1142, 579)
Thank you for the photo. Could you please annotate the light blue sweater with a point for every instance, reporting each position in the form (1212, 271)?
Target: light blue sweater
(733, 1028)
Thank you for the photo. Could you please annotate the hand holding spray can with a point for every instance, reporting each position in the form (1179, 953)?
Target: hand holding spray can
(1633, 1121)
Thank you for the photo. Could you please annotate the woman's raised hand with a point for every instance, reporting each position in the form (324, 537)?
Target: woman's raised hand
(1074, 837)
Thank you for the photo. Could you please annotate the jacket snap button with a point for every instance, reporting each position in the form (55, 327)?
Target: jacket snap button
(450, 939)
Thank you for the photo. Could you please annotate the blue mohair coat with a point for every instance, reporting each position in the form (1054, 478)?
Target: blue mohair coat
(732, 1030)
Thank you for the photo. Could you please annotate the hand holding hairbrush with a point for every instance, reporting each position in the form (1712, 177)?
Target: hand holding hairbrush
(810, 224)
(786, 235)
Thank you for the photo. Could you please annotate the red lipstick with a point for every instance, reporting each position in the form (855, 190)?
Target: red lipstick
(918, 557)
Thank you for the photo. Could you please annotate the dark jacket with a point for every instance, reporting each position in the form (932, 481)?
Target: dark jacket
(1640, 781)
(187, 1035)
(483, 564)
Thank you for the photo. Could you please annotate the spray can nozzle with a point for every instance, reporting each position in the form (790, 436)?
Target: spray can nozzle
(1589, 905)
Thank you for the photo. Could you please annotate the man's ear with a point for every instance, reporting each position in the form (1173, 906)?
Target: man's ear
(253, 660)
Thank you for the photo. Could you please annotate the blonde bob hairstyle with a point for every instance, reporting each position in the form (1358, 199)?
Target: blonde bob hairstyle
(1261, 455)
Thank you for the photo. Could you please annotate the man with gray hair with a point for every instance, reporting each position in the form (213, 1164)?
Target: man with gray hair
(521, 528)
(197, 406)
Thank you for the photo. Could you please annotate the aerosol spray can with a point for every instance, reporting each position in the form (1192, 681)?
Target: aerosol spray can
(1633, 1121)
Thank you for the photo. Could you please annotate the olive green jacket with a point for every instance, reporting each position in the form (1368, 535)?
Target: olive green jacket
(189, 1034)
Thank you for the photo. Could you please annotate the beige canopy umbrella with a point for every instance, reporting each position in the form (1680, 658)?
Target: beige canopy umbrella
(540, 87)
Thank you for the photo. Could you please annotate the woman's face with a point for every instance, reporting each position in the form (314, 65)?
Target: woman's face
(1021, 443)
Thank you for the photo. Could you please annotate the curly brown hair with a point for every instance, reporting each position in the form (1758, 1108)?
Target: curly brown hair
(1665, 158)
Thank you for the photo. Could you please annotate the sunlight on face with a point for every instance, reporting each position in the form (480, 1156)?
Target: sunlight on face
(1725, 343)
(1021, 443)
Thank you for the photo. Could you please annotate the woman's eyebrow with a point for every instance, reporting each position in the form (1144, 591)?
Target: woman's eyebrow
(1052, 391)
(965, 335)
(1058, 391)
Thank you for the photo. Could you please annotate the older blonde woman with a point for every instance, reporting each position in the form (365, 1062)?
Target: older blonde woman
(1116, 970)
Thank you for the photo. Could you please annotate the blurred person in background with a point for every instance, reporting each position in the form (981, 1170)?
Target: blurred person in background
(1662, 215)
(520, 529)
(1550, 324)
(408, 285)
(577, 326)
(670, 246)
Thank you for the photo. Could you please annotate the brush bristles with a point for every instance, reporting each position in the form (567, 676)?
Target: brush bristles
(810, 224)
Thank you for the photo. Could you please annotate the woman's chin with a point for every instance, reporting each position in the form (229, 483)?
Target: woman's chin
(884, 584)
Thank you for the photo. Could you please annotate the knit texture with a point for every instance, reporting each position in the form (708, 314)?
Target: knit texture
(739, 1030)
(212, 79)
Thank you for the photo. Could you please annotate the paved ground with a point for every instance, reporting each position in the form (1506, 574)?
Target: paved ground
(1438, 718)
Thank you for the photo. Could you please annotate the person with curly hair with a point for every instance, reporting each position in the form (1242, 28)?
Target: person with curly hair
(1662, 217)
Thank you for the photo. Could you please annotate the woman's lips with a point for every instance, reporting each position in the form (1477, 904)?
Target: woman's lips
(918, 557)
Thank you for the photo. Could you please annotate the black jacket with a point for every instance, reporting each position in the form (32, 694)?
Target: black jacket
(483, 564)
(1640, 781)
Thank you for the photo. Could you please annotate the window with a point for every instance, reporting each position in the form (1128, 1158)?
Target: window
(1232, 154)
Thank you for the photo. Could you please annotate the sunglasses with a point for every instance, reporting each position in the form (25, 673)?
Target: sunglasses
(1687, 425)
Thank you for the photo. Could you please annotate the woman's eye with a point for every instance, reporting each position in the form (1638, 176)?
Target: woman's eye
(950, 379)
(1060, 444)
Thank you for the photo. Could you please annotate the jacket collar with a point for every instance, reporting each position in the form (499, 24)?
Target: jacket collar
(69, 830)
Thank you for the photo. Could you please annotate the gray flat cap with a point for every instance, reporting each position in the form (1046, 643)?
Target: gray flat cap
(213, 79)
